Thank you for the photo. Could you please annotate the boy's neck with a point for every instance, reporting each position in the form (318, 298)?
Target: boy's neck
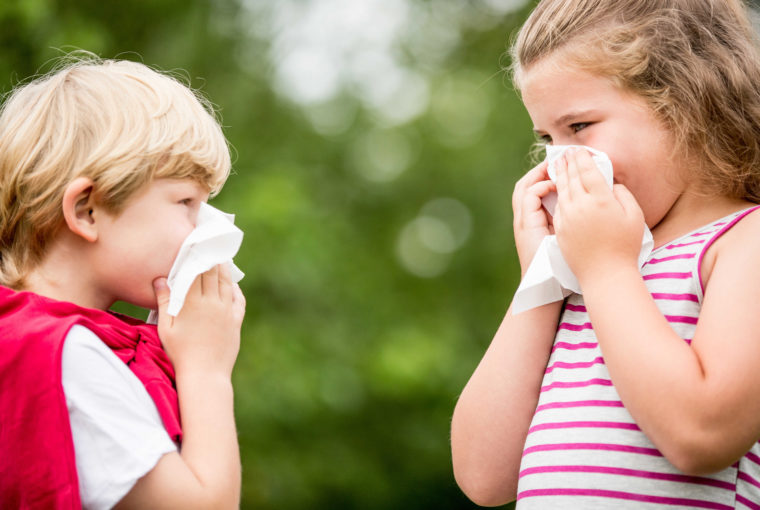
(63, 275)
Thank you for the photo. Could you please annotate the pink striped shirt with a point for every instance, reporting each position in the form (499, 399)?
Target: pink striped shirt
(584, 450)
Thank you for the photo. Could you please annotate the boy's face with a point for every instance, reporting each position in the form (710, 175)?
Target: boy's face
(140, 244)
(572, 107)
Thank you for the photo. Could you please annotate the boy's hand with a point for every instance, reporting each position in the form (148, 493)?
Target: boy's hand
(597, 228)
(205, 334)
(531, 221)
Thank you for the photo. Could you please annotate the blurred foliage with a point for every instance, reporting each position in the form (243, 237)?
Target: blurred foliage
(371, 296)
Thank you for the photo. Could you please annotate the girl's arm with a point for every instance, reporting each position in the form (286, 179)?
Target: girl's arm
(698, 404)
(202, 342)
(494, 411)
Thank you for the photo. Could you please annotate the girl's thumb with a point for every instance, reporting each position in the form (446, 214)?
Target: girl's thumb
(626, 199)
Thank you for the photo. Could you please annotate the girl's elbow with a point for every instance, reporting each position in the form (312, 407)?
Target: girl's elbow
(483, 489)
(694, 464)
(699, 456)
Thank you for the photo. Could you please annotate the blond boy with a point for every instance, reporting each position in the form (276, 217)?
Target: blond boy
(103, 166)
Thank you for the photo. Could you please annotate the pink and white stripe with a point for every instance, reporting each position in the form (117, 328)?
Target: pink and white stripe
(584, 449)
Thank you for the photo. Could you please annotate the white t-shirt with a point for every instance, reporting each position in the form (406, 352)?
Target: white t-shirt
(117, 431)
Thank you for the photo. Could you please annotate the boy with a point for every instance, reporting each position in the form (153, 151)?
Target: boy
(103, 166)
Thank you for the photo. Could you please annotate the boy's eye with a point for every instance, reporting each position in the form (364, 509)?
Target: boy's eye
(547, 139)
(186, 201)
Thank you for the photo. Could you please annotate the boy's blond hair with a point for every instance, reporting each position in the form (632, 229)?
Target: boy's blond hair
(116, 122)
(695, 62)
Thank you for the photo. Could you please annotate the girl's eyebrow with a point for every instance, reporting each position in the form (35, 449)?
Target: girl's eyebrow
(569, 117)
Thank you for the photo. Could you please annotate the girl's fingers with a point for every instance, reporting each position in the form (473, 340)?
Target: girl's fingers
(574, 183)
(536, 174)
(522, 191)
(557, 217)
(590, 176)
(542, 188)
(532, 204)
(628, 202)
(563, 190)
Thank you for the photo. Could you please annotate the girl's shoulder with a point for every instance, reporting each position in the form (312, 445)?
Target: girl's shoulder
(737, 242)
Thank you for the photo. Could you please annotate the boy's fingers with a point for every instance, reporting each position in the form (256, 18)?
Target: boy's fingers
(238, 301)
(238, 295)
(225, 282)
(210, 282)
(161, 289)
(162, 293)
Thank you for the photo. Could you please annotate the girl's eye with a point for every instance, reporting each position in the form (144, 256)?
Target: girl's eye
(547, 139)
(186, 201)
(579, 125)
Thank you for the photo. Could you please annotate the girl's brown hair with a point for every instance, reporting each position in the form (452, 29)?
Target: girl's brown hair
(696, 63)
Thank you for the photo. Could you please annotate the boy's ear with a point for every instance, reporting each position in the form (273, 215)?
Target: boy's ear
(78, 208)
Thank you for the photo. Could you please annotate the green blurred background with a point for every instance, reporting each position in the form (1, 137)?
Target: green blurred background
(376, 145)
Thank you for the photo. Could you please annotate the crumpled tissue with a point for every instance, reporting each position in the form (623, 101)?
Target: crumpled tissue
(549, 278)
(214, 240)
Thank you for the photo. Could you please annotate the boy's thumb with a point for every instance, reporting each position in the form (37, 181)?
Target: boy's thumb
(162, 293)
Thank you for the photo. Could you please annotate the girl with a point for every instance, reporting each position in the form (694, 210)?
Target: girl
(642, 392)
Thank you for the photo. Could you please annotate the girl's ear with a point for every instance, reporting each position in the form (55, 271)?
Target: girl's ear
(78, 208)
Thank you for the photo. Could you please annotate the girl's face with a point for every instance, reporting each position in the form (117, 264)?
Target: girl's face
(573, 107)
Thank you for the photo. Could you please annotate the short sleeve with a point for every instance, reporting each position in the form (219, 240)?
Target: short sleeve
(117, 431)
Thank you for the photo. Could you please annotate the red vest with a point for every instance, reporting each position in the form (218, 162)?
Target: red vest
(37, 465)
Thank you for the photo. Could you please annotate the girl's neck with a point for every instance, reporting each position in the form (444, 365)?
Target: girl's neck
(691, 211)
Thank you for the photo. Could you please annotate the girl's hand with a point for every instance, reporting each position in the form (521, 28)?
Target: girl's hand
(205, 334)
(597, 228)
(531, 221)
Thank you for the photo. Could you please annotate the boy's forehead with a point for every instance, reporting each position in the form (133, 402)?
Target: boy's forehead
(179, 185)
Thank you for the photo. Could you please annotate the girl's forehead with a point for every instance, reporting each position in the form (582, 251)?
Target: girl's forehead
(559, 64)
(556, 96)
(558, 79)
(546, 81)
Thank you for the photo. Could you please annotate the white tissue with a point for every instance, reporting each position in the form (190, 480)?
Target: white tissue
(548, 277)
(214, 240)
(554, 152)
